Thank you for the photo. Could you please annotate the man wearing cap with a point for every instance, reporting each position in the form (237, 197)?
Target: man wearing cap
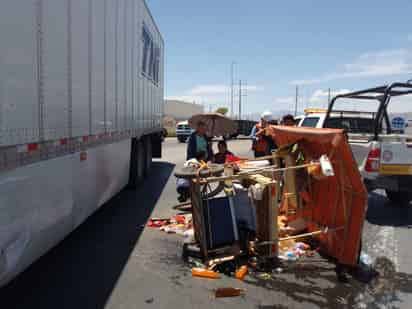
(262, 144)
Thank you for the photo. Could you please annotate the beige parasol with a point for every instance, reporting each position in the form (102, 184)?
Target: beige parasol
(216, 124)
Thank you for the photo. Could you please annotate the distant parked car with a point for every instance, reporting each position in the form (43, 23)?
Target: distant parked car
(183, 131)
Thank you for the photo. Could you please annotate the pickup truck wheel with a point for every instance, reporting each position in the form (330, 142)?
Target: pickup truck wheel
(399, 198)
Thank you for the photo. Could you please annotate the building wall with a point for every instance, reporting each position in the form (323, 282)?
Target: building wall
(180, 110)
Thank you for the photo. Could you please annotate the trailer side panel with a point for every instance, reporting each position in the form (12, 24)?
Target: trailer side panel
(75, 92)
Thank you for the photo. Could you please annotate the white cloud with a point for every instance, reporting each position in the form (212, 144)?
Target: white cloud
(253, 88)
(209, 89)
(186, 98)
(285, 100)
(212, 95)
(319, 96)
(374, 64)
(220, 89)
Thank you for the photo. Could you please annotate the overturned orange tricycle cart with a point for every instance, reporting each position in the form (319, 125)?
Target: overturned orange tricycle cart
(310, 187)
(337, 203)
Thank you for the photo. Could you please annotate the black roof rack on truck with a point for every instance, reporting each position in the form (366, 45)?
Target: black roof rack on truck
(382, 94)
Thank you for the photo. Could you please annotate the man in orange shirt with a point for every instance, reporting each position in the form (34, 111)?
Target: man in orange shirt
(262, 145)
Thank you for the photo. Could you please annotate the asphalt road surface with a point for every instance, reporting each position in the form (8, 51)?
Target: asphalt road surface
(113, 261)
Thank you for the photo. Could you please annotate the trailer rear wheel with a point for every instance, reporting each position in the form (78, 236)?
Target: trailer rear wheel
(137, 163)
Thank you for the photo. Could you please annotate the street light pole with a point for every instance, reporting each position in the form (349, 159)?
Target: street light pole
(231, 88)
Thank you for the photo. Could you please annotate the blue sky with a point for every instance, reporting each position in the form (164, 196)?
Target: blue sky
(342, 45)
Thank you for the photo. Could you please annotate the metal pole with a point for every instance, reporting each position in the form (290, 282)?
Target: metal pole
(240, 99)
(231, 88)
(296, 100)
(328, 97)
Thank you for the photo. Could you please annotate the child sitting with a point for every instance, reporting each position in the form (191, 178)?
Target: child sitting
(220, 156)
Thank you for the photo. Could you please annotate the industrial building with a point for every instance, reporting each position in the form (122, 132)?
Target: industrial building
(180, 110)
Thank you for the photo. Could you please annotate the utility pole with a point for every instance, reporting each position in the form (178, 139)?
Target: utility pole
(296, 100)
(240, 99)
(232, 88)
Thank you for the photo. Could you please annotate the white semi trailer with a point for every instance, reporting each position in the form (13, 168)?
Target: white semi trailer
(81, 96)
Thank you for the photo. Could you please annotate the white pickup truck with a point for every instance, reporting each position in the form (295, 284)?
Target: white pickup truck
(384, 156)
(183, 131)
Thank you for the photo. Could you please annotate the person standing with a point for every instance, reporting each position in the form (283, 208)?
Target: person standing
(262, 145)
(198, 142)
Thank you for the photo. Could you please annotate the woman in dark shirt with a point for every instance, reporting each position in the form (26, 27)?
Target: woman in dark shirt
(220, 156)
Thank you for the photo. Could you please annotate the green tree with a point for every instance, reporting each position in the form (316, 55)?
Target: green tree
(222, 110)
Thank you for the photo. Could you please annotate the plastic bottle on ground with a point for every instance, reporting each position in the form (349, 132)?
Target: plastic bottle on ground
(365, 259)
(290, 256)
(229, 292)
(189, 236)
(241, 272)
(204, 273)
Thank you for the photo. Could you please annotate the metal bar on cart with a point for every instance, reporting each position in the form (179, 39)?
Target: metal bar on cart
(301, 236)
(248, 173)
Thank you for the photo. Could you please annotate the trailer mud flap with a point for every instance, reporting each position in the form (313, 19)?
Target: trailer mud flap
(156, 146)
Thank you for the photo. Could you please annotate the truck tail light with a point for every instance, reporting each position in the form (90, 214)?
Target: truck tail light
(373, 160)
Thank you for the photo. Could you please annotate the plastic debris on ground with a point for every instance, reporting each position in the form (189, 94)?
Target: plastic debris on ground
(157, 222)
(195, 263)
(229, 292)
(189, 236)
(174, 228)
(241, 272)
(205, 273)
(278, 270)
(222, 263)
(264, 276)
(365, 260)
(289, 250)
(180, 224)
